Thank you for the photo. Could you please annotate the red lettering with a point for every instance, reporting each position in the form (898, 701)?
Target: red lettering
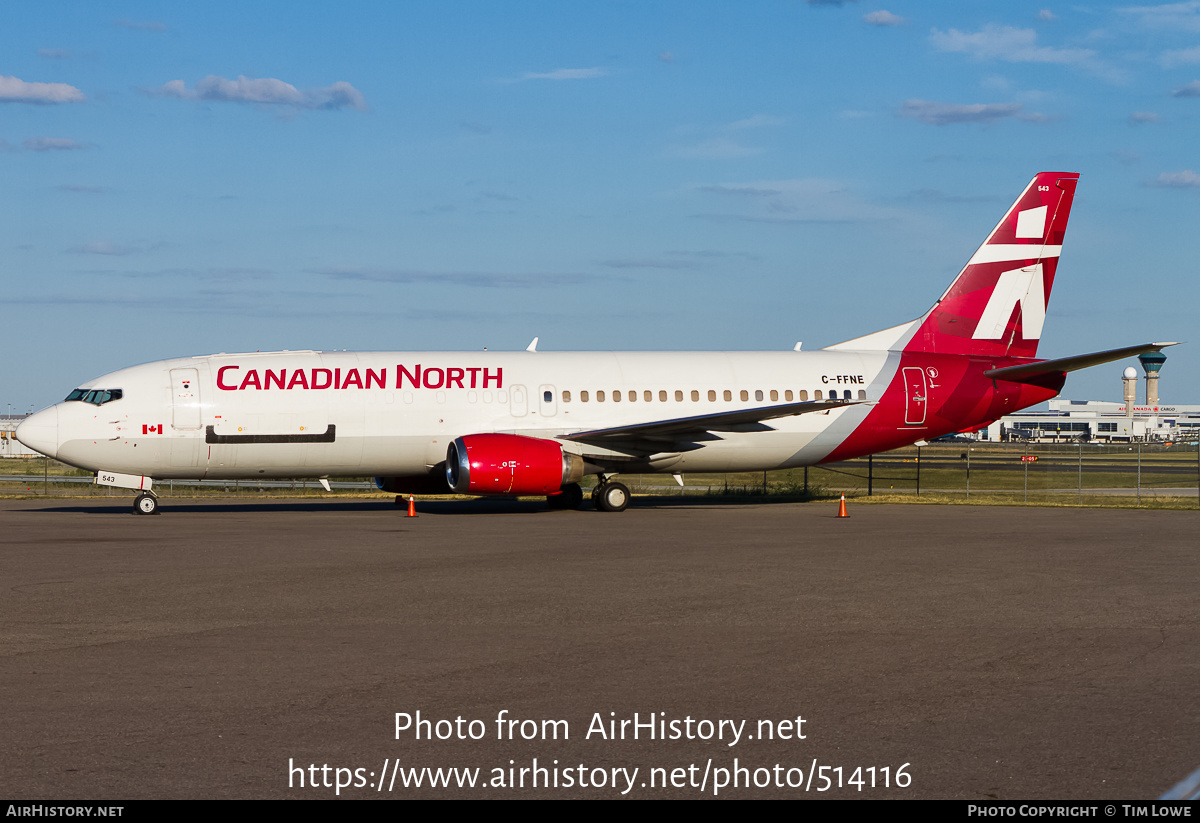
(328, 378)
(441, 378)
(337, 378)
(498, 377)
(298, 379)
(401, 372)
(352, 379)
(270, 378)
(454, 376)
(474, 374)
(221, 374)
(251, 380)
(380, 378)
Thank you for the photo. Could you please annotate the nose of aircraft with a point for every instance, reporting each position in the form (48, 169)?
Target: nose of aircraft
(40, 431)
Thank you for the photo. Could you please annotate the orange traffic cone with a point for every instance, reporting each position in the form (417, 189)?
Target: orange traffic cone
(842, 508)
(412, 507)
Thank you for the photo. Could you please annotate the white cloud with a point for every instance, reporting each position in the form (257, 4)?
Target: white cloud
(758, 121)
(883, 18)
(1192, 89)
(1186, 179)
(945, 114)
(1007, 43)
(474, 279)
(51, 144)
(793, 201)
(103, 247)
(15, 90)
(1047, 15)
(1173, 16)
(565, 74)
(716, 148)
(1139, 117)
(266, 91)
(725, 144)
(1180, 57)
(650, 263)
(55, 54)
(142, 25)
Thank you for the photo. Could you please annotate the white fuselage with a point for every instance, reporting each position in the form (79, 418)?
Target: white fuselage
(394, 413)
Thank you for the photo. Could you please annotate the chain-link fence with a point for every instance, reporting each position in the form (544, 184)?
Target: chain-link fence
(1127, 474)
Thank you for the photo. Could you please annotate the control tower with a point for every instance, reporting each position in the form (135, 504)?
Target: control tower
(1151, 363)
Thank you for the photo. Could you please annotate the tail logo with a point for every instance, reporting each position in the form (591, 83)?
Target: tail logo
(1018, 286)
(1031, 223)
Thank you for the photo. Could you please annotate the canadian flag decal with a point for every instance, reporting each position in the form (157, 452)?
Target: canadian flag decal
(155, 429)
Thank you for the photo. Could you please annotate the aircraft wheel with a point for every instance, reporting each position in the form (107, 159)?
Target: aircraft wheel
(145, 504)
(569, 498)
(613, 497)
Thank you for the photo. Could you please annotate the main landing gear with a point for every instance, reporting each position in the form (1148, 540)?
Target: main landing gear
(146, 503)
(610, 496)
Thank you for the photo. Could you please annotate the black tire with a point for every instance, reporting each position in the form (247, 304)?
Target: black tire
(570, 497)
(145, 504)
(613, 497)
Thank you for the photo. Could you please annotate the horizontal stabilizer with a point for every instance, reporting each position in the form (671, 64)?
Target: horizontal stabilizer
(731, 421)
(1030, 372)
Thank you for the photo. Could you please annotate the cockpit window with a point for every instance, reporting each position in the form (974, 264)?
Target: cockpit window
(97, 397)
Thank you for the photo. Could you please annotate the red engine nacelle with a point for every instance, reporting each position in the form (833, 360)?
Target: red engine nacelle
(509, 464)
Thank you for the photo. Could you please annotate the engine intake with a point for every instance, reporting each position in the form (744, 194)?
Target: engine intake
(509, 464)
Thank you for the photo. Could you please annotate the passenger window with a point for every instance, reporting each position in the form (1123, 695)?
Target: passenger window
(745, 395)
(728, 395)
(662, 397)
(678, 396)
(787, 395)
(547, 397)
(712, 396)
(804, 395)
(632, 396)
(775, 395)
(695, 396)
(862, 395)
(817, 394)
(758, 395)
(600, 396)
(617, 396)
(583, 396)
(648, 396)
(566, 396)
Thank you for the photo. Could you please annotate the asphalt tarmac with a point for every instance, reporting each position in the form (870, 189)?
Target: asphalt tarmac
(233, 650)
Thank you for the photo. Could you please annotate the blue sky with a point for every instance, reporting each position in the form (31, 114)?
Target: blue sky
(612, 175)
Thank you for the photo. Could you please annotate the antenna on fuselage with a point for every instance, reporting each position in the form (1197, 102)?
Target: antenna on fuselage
(532, 346)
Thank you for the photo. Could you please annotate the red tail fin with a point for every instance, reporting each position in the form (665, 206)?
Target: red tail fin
(997, 304)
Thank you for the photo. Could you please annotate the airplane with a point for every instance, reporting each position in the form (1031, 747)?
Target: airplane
(535, 423)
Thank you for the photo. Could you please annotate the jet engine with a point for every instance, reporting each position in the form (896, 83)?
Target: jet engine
(509, 464)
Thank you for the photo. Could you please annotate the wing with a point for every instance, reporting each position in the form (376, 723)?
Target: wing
(1030, 372)
(688, 433)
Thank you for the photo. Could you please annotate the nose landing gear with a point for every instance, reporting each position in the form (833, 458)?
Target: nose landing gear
(146, 503)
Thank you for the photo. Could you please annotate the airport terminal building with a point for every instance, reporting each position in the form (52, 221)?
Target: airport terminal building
(1101, 421)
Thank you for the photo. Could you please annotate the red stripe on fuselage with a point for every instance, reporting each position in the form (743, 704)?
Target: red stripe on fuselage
(957, 397)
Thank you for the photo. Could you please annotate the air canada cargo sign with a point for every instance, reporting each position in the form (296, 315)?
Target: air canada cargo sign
(238, 378)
